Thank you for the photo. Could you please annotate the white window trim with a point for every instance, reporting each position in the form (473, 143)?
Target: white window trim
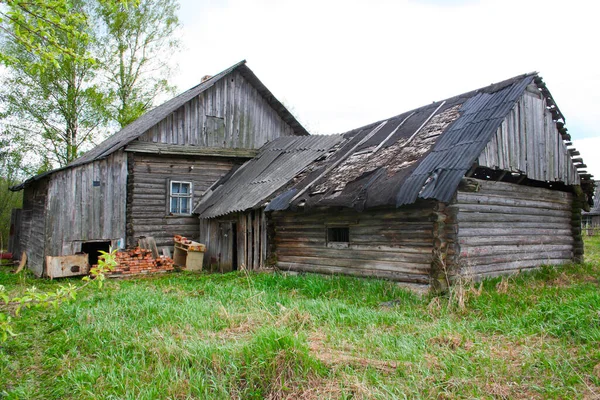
(189, 196)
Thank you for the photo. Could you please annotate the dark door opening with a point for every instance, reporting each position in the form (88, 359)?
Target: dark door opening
(93, 250)
(234, 258)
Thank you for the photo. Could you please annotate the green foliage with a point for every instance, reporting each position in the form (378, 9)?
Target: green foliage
(10, 174)
(35, 298)
(137, 41)
(38, 26)
(54, 103)
(74, 67)
(244, 335)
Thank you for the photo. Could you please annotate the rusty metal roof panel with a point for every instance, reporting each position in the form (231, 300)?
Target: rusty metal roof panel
(275, 166)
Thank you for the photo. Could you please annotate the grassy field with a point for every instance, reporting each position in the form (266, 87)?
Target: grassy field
(182, 335)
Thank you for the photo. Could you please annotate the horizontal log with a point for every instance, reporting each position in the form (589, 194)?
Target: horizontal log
(542, 194)
(362, 222)
(485, 199)
(404, 267)
(196, 151)
(474, 251)
(513, 240)
(511, 210)
(541, 254)
(496, 217)
(504, 268)
(417, 249)
(332, 270)
(515, 225)
(351, 253)
(466, 232)
(505, 187)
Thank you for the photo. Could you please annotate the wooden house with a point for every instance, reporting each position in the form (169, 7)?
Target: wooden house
(146, 179)
(480, 184)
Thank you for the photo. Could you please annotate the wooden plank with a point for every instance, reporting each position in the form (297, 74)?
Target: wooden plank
(263, 239)
(242, 241)
(256, 238)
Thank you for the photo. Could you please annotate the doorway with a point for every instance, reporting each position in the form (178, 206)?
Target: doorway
(92, 249)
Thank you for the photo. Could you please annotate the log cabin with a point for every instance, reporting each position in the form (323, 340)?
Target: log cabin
(145, 179)
(480, 184)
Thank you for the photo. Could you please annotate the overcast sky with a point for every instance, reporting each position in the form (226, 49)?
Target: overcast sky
(339, 65)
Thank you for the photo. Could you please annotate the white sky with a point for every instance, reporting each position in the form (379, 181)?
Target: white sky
(339, 65)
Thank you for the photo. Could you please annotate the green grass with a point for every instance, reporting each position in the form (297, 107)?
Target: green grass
(183, 336)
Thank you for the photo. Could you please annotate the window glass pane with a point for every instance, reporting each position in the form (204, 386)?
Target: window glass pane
(175, 187)
(174, 208)
(185, 205)
(185, 188)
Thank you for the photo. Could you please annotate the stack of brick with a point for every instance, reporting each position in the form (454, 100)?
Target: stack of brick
(140, 261)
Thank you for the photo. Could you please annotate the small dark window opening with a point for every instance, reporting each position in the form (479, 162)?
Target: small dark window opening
(93, 250)
(338, 234)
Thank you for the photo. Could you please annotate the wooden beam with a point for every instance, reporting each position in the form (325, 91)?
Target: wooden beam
(198, 151)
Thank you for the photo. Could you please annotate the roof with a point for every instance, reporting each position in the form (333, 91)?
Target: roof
(138, 127)
(255, 181)
(420, 154)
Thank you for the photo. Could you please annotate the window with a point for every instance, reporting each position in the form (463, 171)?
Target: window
(338, 234)
(181, 198)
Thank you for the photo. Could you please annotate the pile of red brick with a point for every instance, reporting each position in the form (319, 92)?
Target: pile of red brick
(140, 261)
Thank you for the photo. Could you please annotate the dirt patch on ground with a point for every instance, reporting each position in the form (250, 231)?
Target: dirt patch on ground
(336, 358)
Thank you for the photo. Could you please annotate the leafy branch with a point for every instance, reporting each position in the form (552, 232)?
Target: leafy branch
(36, 299)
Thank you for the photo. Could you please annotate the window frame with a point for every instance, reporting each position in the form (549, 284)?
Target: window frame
(180, 196)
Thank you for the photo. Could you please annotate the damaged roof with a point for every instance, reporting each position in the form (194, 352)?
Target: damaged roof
(278, 162)
(138, 127)
(420, 154)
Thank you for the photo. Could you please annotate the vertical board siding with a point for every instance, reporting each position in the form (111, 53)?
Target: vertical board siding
(250, 246)
(394, 244)
(248, 120)
(33, 224)
(504, 228)
(79, 211)
(528, 142)
(148, 194)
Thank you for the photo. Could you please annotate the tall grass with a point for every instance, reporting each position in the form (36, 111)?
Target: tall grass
(259, 336)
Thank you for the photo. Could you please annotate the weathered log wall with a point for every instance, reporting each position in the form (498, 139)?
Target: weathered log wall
(86, 203)
(33, 225)
(394, 244)
(528, 142)
(148, 193)
(504, 227)
(229, 114)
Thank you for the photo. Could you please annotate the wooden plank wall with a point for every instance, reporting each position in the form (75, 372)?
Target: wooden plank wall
(251, 240)
(504, 228)
(528, 142)
(33, 223)
(80, 210)
(229, 114)
(148, 193)
(394, 244)
(14, 240)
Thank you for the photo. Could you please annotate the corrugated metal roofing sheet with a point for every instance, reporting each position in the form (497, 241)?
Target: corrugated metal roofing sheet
(425, 158)
(252, 184)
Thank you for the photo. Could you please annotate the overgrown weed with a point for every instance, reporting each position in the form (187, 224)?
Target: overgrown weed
(246, 335)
